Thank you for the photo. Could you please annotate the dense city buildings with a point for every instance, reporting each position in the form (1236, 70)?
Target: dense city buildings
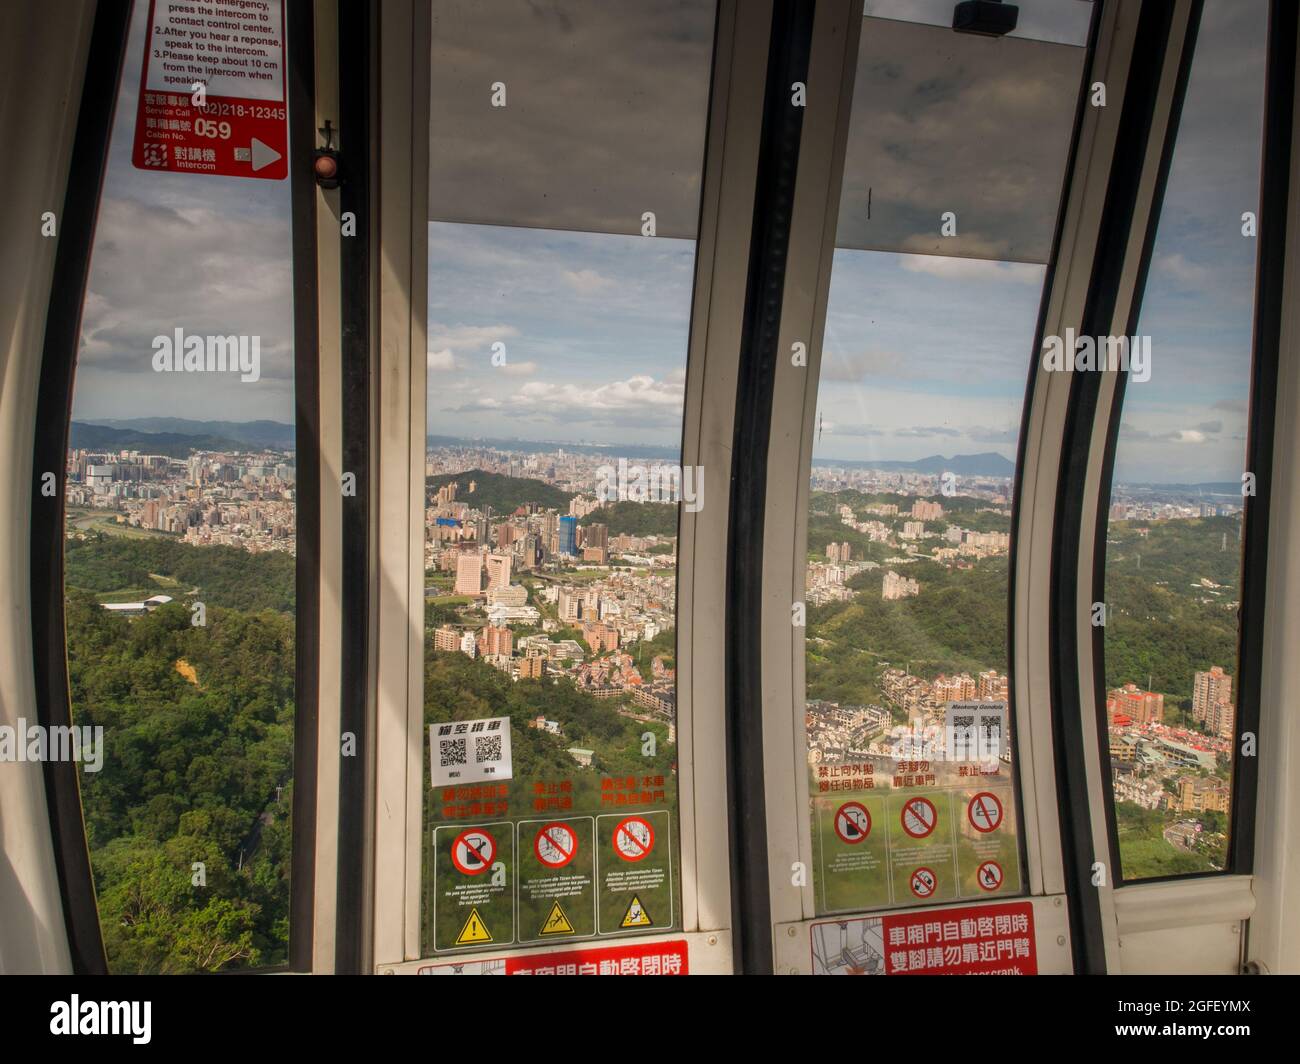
(231, 498)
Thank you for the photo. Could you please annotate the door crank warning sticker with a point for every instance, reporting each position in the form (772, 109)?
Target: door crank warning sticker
(212, 90)
(972, 940)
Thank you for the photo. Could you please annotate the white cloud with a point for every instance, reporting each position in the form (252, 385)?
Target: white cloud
(468, 340)
(442, 360)
(973, 269)
(588, 282)
(1179, 268)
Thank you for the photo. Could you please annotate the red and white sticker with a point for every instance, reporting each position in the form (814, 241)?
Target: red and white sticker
(923, 882)
(634, 838)
(989, 875)
(984, 939)
(473, 851)
(919, 817)
(239, 125)
(653, 958)
(985, 812)
(556, 845)
(852, 822)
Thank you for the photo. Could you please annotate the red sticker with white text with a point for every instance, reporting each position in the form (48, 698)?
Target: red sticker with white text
(212, 90)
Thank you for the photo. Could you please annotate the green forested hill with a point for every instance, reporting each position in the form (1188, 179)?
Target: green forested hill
(636, 518)
(198, 732)
(504, 494)
(957, 623)
(225, 576)
(1161, 622)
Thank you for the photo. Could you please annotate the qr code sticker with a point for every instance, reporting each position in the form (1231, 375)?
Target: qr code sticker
(487, 748)
(451, 752)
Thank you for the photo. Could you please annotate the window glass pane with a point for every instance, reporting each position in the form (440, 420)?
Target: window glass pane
(911, 770)
(1173, 542)
(1062, 21)
(179, 557)
(567, 144)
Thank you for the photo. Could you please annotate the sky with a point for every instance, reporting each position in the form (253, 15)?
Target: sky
(207, 254)
(923, 354)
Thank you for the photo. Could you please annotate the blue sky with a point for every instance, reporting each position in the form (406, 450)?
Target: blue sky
(922, 354)
(207, 254)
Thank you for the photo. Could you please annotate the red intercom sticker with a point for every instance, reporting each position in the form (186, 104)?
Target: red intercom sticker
(212, 90)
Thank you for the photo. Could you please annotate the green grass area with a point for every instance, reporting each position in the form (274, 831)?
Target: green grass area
(130, 594)
(582, 576)
(450, 600)
(93, 521)
(1144, 853)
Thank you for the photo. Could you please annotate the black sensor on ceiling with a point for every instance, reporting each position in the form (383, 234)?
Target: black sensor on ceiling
(988, 18)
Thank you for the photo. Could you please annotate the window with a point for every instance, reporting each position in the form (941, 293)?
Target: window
(1173, 539)
(954, 167)
(567, 149)
(180, 545)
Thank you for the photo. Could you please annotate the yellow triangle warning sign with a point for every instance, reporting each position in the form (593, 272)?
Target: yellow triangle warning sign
(636, 915)
(557, 923)
(474, 931)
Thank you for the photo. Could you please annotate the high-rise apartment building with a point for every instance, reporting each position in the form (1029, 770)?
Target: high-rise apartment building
(1212, 701)
(496, 641)
(1141, 707)
(469, 573)
(894, 587)
(568, 536)
(498, 570)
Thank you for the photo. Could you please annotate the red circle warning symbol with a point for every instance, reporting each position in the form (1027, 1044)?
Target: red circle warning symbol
(984, 812)
(989, 875)
(923, 882)
(473, 851)
(556, 845)
(852, 822)
(634, 838)
(919, 817)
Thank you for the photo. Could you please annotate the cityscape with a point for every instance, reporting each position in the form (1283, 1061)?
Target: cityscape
(552, 591)
(529, 571)
(1170, 754)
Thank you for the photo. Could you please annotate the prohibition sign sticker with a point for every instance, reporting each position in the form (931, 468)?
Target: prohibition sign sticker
(556, 845)
(989, 875)
(852, 822)
(634, 838)
(473, 851)
(984, 812)
(922, 882)
(918, 818)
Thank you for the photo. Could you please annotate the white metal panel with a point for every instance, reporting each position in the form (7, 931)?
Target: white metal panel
(330, 576)
(38, 117)
(1274, 940)
(722, 255)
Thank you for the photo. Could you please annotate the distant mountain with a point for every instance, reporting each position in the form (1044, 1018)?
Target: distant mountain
(273, 434)
(504, 494)
(1206, 489)
(988, 464)
(90, 437)
(612, 450)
